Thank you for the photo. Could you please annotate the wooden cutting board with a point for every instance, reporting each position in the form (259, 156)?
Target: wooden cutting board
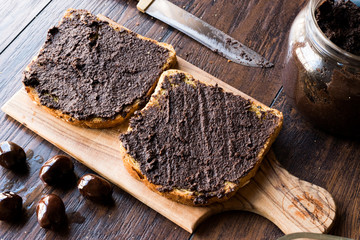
(290, 203)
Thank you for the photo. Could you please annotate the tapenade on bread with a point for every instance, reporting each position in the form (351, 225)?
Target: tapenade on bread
(94, 73)
(195, 143)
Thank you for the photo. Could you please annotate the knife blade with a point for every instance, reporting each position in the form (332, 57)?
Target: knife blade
(203, 32)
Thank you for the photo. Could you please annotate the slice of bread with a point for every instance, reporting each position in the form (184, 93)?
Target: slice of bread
(93, 72)
(195, 143)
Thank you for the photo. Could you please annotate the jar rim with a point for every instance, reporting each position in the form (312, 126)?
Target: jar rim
(339, 52)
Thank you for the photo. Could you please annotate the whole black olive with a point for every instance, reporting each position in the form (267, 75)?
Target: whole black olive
(11, 155)
(94, 187)
(50, 212)
(10, 206)
(57, 170)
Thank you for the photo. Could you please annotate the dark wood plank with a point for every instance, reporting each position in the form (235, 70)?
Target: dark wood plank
(15, 15)
(237, 225)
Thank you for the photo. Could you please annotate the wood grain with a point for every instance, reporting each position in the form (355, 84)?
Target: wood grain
(291, 204)
(15, 15)
(301, 206)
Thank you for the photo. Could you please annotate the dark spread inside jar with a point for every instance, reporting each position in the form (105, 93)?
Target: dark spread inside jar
(197, 138)
(87, 69)
(322, 82)
(340, 22)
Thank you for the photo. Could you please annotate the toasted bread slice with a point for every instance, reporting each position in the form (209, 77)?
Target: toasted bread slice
(195, 143)
(93, 72)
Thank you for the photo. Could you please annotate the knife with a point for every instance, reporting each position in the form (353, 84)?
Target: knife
(203, 32)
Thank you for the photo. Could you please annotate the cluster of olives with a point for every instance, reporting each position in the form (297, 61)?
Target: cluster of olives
(57, 171)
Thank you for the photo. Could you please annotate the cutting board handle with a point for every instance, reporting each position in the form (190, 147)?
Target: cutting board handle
(292, 204)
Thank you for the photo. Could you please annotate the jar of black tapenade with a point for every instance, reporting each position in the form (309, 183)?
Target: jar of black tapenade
(320, 77)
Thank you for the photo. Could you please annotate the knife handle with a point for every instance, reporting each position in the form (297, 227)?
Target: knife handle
(143, 5)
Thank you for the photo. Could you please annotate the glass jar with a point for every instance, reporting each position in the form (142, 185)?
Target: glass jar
(321, 79)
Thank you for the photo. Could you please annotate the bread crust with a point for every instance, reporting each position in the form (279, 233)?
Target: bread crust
(185, 196)
(99, 122)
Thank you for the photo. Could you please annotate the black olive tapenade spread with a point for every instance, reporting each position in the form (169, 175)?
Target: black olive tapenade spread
(340, 22)
(88, 69)
(197, 138)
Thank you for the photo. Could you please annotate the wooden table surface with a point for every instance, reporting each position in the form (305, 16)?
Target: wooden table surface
(312, 155)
